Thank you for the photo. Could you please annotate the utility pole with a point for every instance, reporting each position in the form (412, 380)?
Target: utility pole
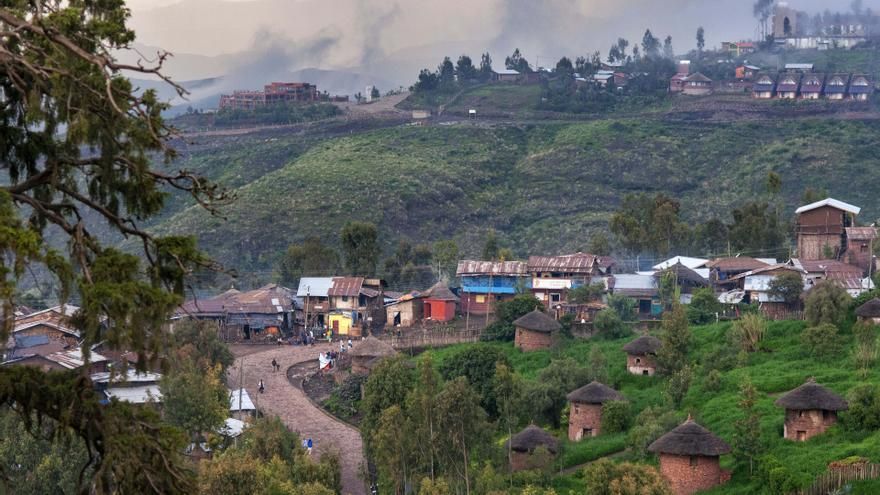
(489, 299)
(240, 383)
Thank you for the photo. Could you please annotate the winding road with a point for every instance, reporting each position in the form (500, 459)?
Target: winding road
(290, 403)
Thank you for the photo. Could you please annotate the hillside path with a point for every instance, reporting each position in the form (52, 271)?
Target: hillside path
(290, 403)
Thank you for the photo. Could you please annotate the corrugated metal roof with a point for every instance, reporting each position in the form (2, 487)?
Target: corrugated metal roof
(684, 260)
(861, 233)
(632, 281)
(569, 263)
(25, 341)
(314, 286)
(346, 286)
(232, 427)
(509, 268)
(840, 205)
(135, 395)
(73, 358)
(246, 402)
(130, 376)
(506, 72)
(825, 266)
(50, 324)
(769, 268)
(738, 263)
(798, 66)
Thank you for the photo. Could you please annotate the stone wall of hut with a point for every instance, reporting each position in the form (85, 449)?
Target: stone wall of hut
(641, 365)
(804, 425)
(528, 340)
(690, 474)
(584, 417)
(522, 461)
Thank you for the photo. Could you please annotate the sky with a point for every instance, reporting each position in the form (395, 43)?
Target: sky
(394, 38)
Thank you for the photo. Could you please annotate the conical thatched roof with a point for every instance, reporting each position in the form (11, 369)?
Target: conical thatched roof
(690, 439)
(646, 344)
(594, 393)
(811, 395)
(870, 309)
(537, 321)
(533, 437)
(372, 347)
(440, 292)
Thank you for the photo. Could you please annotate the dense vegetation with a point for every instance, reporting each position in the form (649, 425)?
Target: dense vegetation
(544, 188)
(731, 390)
(280, 114)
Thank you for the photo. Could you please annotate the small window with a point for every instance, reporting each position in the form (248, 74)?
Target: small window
(480, 299)
(344, 298)
(864, 248)
(638, 360)
(800, 414)
(555, 297)
(694, 461)
(826, 415)
(577, 409)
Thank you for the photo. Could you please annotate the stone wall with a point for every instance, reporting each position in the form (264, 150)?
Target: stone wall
(690, 474)
(521, 461)
(803, 425)
(584, 417)
(641, 365)
(528, 340)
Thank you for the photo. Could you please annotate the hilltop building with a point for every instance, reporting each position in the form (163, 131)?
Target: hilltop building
(272, 94)
(810, 410)
(791, 30)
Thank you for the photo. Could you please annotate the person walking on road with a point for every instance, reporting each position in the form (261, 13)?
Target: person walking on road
(309, 445)
(275, 365)
(262, 387)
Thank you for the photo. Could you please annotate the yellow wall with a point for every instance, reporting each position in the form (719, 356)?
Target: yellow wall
(344, 323)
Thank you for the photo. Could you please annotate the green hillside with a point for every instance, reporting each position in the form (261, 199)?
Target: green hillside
(782, 364)
(544, 187)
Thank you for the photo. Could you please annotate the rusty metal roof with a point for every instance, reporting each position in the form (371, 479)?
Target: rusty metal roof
(826, 266)
(861, 233)
(739, 263)
(509, 268)
(346, 286)
(269, 299)
(570, 263)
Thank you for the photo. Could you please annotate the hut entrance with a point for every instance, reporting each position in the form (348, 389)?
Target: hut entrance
(586, 433)
(645, 372)
(801, 436)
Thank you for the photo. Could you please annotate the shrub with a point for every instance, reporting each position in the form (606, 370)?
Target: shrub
(821, 340)
(678, 385)
(604, 477)
(624, 306)
(507, 312)
(703, 307)
(609, 325)
(477, 365)
(749, 331)
(712, 383)
(788, 286)
(866, 346)
(775, 476)
(675, 341)
(864, 409)
(616, 416)
(827, 303)
(649, 425)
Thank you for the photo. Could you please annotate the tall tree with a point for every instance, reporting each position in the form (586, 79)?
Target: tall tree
(194, 399)
(668, 52)
(446, 74)
(747, 444)
(600, 245)
(508, 390)
(394, 451)
(198, 342)
(465, 428)
(756, 230)
(485, 67)
(701, 40)
(465, 70)
(490, 246)
(675, 341)
(422, 414)
(79, 144)
(650, 44)
(517, 62)
(444, 259)
(360, 247)
(309, 258)
(645, 223)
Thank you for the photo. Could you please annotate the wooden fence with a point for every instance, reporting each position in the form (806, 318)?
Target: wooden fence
(435, 336)
(838, 477)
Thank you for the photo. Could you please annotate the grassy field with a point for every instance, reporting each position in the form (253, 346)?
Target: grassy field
(543, 187)
(782, 365)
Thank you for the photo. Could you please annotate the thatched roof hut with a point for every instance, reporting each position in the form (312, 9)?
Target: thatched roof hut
(533, 437)
(690, 439)
(812, 396)
(870, 309)
(537, 321)
(440, 292)
(595, 393)
(642, 346)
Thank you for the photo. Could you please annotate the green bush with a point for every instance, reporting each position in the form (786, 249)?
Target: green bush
(604, 477)
(703, 307)
(477, 365)
(749, 331)
(616, 416)
(821, 340)
(609, 325)
(864, 409)
(827, 302)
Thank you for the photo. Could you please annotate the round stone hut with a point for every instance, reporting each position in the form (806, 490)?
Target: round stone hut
(810, 410)
(870, 311)
(367, 353)
(585, 409)
(524, 444)
(689, 458)
(535, 330)
(641, 355)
